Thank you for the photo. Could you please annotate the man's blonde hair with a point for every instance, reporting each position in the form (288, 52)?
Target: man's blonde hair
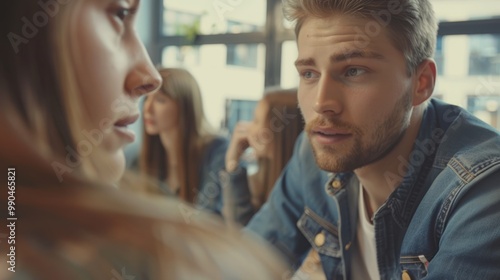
(410, 23)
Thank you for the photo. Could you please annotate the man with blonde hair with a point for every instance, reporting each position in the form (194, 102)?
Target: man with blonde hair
(407, 186)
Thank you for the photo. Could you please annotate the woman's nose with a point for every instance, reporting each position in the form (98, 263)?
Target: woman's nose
(143, 77)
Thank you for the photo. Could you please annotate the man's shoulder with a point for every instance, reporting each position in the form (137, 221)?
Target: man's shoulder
(465, 138)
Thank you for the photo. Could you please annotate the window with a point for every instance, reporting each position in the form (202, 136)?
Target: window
(219, 78)
(463, 10)
(439, 55)
(289, 75)
(230, 47)
(468, 55)
(213, 16)
(487, 108)
(484, 58)
(469, 67)
(238, 110)
(242, 55)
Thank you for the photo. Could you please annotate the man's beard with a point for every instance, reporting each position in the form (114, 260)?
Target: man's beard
(385, 136)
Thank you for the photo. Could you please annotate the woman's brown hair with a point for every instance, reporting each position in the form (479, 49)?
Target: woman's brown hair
(42, 62)
(284, 124)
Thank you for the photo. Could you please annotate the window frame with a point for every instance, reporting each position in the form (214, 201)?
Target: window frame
(273, 37)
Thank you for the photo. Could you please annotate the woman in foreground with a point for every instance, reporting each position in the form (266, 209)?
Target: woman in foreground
(68, 90)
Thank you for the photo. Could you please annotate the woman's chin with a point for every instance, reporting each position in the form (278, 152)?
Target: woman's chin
(110, 170)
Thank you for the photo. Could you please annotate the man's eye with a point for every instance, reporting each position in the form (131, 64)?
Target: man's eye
(308, 75)
(353, 72)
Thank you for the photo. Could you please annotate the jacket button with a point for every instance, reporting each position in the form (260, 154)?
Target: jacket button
(405, 275)
(319, 240)
(336, 184)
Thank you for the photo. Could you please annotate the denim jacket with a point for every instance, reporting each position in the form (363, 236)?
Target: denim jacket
(442, 222)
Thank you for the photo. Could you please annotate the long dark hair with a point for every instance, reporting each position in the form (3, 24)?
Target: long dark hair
(29, 65)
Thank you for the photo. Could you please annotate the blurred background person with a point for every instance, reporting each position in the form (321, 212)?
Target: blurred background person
(271, 136)
(179, 147)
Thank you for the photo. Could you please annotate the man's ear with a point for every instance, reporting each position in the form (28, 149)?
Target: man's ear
(425, 81)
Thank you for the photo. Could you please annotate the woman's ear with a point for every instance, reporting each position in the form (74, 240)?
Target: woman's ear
(426, 80)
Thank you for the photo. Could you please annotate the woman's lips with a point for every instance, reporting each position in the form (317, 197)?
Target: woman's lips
(123, 122)
(125, 133)
(122, 130)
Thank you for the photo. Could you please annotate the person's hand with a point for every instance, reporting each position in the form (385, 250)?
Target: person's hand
(238, 145)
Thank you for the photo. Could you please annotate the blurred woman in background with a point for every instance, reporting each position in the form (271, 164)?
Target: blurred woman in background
(179, 147)
(271, 135)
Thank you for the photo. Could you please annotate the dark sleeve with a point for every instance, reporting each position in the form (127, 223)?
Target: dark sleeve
(209, 197)
(237, 198)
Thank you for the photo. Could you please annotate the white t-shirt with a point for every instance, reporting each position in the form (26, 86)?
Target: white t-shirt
(364, 251)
